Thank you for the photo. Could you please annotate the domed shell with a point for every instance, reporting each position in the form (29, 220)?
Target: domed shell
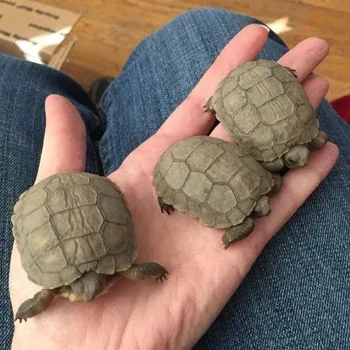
(71, 223)
(210, 179)
(265, 109)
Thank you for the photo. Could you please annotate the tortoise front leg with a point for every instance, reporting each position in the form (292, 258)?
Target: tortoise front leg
(163, 206)
(274, 166)
(278, 183)
(208, 107)
(238, 232)
(319, 140)
(293, 71)
(35, 305)
(146, 271)
(262, 207)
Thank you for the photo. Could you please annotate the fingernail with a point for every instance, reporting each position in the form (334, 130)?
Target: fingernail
(265, 27)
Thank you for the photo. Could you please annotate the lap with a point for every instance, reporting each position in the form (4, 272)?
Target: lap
(296, 291)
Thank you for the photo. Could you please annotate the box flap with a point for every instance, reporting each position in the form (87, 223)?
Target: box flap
(33, 30)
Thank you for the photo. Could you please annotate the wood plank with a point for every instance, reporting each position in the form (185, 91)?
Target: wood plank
(329, 4)
(110, 29)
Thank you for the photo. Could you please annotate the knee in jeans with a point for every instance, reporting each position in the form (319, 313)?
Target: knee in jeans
(206, 21)
(214, 20)
(210, 16)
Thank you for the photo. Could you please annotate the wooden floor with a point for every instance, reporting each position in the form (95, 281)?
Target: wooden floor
(109, 29)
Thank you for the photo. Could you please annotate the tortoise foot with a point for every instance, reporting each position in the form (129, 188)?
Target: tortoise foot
(278, 183)
(275, 166)
(238, 232)
(146, 271)
(293, 71)
(165, 207)
(35, 305)
(262, 207)
(209, 106)
(319, 140)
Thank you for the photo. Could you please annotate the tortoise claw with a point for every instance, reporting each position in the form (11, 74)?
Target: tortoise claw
(165, 207)
(163, 276)
(20, 319)
(169, 209)
(146, 271)
(293, 71)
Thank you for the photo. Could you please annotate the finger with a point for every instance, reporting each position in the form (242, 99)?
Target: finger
(315, 87)
(64, 144)
(188, 119)
(305, 56)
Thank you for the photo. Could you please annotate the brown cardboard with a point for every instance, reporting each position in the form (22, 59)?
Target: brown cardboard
(35, 31)
(61, 54)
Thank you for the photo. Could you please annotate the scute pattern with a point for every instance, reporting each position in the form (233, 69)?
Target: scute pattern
(71, 223)
(222, 183)
(260, 99)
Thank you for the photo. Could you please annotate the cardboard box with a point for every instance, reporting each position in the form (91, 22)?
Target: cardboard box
(36, 32)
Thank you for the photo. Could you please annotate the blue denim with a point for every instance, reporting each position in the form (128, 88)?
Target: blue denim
(297, 294)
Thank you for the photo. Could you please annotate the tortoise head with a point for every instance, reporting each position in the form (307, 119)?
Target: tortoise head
(296, 157)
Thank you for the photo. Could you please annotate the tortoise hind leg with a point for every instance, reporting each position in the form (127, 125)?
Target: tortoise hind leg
(238, 232)
(35, 305)
(86, 287)
(163, 206)
(146, 271)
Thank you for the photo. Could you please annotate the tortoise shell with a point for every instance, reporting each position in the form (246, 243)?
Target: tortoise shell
(210, 179)
(71, 223)
(263, 106)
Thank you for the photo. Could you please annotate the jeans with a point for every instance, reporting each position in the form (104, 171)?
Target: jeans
(297, 294)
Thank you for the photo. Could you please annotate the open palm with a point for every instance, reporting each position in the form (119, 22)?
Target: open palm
(202, 275)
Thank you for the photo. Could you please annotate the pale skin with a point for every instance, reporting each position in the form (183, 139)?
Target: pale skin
(202, 275)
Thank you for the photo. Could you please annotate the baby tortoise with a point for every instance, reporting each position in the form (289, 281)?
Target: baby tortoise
(216, 182)
(74, 233)
(263, 106)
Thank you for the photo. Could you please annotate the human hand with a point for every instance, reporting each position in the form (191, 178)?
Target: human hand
(202, 275)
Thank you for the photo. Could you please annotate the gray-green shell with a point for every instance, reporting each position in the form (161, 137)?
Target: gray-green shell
(71, 223)
(210, 179)
(264, 107)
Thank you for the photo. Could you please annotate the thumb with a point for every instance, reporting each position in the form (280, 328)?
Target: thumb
(64, 144)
